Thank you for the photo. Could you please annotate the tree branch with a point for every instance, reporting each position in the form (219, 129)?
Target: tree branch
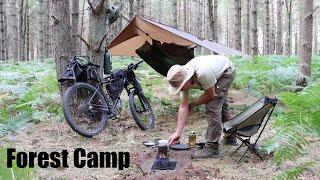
(101, 42)
(286, 3)
(91, 6)
(100, 6)
(85, 42)
(310, 14)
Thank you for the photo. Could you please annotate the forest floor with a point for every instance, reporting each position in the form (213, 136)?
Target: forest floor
(124, 135)
(31, 120)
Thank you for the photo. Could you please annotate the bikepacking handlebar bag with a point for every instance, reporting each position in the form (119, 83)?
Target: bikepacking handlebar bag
(80, 69)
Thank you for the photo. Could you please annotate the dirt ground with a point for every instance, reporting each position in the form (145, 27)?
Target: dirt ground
(124, 135)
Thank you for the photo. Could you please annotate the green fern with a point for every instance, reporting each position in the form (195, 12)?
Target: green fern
(300, 120)
(270, 74)
(13, 124)
(15, 172)
(39, 100)
(294, 172)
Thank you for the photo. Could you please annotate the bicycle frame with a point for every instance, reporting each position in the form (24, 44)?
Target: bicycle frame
(129, 79)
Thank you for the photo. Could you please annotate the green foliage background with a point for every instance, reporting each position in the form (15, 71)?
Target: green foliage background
(28, 93)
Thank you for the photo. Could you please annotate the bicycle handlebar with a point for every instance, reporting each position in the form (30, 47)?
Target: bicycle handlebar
(130, 66)
(133, 66)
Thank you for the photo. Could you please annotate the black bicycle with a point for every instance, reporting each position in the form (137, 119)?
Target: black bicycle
(88, 107)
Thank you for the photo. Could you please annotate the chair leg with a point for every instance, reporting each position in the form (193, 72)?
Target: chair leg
(237, 149)
(254, 150)
(250, 146)
(243, 155)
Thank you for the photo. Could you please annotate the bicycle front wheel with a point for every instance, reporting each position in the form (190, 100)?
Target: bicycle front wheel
(141, 110)
(84, 109)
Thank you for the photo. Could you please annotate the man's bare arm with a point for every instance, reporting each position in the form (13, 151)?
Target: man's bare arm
(207, 96)
(182, 118)
(182, 114)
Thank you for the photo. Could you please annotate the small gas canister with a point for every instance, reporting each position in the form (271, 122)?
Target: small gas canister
(192, 139)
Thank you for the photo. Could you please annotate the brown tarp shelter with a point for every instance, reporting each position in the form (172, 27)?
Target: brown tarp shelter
(140, 30)
(161, 46)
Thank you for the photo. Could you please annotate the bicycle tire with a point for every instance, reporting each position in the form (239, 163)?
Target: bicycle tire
(135, 114)
(71, 119)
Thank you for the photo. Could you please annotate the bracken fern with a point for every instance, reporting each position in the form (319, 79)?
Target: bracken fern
(294, 172)
(300, 120)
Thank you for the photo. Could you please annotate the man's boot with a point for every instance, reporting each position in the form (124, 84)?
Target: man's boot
(211, 150)
(230, 140)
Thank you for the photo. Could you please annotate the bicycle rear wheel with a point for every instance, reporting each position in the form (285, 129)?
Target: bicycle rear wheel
(84, 109)
(141, 110)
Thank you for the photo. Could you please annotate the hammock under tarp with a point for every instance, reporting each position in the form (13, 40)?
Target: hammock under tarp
(161, 56)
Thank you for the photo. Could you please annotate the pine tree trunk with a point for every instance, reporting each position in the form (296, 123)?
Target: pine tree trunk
(188, 29)
(273, 31)
(315, 37)
(305, 41)
(199, 23)
(42, 31)
(175, 14)
(150, 10)
(20, 28)
(210, 15)
(27, 31)
(204, 20)
(213, 16)
(227, 29)
(32, 35)
(6, 30)
(266, 33)
(82, 47)
(247, 28)
(178, 12)
(296, 50)
(48, 30)
(160, 10)
(254, 30)
(237, 28)
(97, 32)
(119, 24)
(185, 16)
(279, 46)
(215, 20)
(15, 32)
(142, 8)
(131, 14)
(22, 32)
(62, 35)
(75, 27)
(199, 19)
(288, 27)
(138, 7)
(2, 32)
(131, 4)
(189, 16)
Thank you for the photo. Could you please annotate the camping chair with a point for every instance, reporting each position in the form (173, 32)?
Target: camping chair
(247, 123)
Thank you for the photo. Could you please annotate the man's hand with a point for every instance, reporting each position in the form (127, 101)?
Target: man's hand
(174, 138)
